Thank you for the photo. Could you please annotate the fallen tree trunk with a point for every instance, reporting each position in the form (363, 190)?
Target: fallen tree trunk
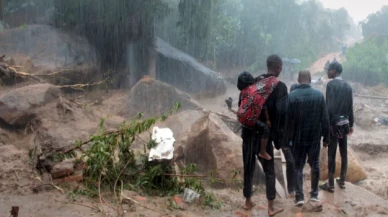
(9, 76)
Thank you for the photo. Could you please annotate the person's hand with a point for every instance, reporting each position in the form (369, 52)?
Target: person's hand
(269, 124)
(350, 131)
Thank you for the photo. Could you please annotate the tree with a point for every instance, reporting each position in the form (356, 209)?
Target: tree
(195, 22)
(111, 25)
(367, 62)
(375, 23)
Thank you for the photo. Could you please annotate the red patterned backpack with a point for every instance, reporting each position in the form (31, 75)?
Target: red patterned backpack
(253, 98)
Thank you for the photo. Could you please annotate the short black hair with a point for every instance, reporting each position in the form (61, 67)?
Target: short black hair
(336, 66)
(273, 61)
(244, 80)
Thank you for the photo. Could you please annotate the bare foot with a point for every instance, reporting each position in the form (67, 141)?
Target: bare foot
(274, 211)
(265, 156)
(249, 205)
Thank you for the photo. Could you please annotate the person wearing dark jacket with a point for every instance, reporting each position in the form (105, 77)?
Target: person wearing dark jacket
(339, 100)
(309, 121)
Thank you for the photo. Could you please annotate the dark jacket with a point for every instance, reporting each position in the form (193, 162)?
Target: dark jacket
(307, 115)
(277, 109)
(339, 99)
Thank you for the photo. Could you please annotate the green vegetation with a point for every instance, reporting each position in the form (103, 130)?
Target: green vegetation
(367, 62)
(112, 165)
(376, 23)
(242, 33)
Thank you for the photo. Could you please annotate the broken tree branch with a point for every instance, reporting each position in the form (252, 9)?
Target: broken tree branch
(9, 72)
(370, 97)
(81, 86)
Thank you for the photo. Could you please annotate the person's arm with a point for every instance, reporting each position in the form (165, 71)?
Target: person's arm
(281, 105)
(350, 111)
(267, 120)
(329, 92)
(290, 121)
(325, 124)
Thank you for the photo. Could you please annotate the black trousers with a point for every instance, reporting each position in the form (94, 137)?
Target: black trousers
(332, 150)
(300, 154)
(250, 148)
(289, 169)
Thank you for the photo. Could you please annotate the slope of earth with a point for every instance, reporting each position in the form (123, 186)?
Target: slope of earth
(318, 65)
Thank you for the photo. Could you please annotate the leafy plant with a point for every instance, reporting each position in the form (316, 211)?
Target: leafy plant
(211, 201)
(112, 165)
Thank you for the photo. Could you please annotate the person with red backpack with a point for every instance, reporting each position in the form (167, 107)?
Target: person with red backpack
(274, 96)
(251, 105)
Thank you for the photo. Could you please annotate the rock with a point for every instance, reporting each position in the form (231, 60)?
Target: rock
(181, 123)
(355, 172)
(62, 169)
(52, 50)
(158, 94)
(185, 73)
(3, 136)
(212, 146)
(364, 117)
(16, 106)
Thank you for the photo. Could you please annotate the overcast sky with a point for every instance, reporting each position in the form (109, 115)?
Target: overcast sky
(358, 9)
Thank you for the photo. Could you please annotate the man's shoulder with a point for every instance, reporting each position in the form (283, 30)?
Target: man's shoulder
(347, 85)
(332, 82)
(339, 82)
(316, 91)
(281, 85)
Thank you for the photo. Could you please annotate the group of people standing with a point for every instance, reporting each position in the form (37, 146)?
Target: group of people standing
(297, 121)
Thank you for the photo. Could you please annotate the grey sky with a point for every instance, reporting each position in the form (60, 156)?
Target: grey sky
(358, 9)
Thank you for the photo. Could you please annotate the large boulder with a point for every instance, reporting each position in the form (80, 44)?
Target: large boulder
(364, 117)
(213, 147)
(63, 124)
(179, 123)
(153, 97)
(16, 106)
(58, 57)
(185, 73)
(355, 171)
